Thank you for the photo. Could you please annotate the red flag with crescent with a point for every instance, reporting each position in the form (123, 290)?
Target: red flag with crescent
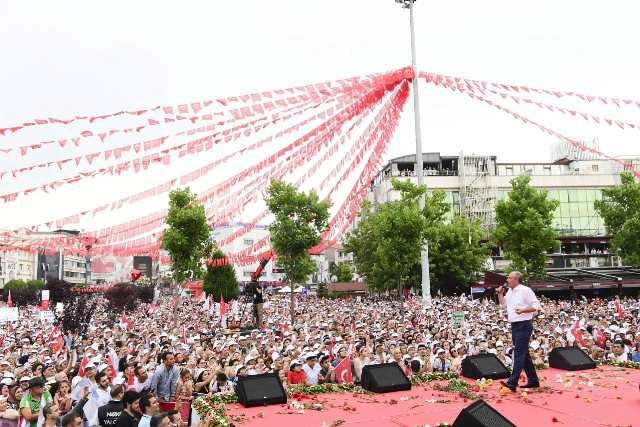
(343, 371)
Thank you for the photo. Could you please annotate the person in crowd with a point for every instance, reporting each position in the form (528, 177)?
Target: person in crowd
(51, 415)
(8, 416)
(162, 344)
(222, 384)
(103, 391)
(441, 363)
(32, 401)
(296, 374)
(62, 397)
(160, 420)
(327, 372)
(184, 394)
(311, 369)
(361, 361)
(618, 352)
(108, 414)
(130, 416)
(456, 360)
(165, 381)
(141, 381)
(635, 355)
(149, 406)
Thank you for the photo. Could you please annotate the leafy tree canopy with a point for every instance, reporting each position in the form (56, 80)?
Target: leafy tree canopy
(620, 210)
(299, 220)
(187, 235)
(221, 280)
(524, 226)
(343, 272)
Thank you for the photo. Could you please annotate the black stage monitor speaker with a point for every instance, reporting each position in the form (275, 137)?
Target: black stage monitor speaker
(384, 378)
(260, 390)
(480, 414)
(485, 365)
(570, 359)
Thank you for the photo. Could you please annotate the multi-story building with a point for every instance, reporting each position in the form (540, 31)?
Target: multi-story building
(76, 269)
(17, 265)
(472, 185)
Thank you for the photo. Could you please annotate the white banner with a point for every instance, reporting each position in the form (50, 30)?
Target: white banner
(8, 314)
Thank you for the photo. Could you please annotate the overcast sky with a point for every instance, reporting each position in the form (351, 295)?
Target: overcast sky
(67, 57)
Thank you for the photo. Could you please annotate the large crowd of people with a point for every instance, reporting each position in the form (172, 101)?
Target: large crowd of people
(147, 368)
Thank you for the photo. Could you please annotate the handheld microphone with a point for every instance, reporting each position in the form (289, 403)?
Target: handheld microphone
(505, 287)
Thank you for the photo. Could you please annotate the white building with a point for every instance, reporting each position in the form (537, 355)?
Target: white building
(76, 269)
(17, 265)
(472, 185)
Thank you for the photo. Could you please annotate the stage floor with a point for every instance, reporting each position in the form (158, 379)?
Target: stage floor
(605, 396)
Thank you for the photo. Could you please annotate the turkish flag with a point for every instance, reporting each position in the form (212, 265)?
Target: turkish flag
(599, 337)
(135, 274)
(124, 320)
(111, 365)
(619, 309)
(58, 343)
(343, 371)
(83, 365)
(577, 334)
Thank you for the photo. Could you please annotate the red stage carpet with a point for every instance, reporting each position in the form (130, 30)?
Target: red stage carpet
(605, 396)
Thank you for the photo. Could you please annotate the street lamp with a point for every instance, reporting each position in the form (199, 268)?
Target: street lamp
(419, 165)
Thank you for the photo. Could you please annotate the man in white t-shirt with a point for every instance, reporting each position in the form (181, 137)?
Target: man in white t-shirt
(521, 304)
(311, 370)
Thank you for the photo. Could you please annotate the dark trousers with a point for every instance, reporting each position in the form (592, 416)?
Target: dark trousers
(521, 334)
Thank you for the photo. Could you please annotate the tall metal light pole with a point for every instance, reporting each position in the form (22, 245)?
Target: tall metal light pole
(419, 165)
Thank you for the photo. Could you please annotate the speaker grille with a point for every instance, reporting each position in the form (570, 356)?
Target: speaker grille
(487, 416)
(570, 358)
(576, 357)
(489, 364)
(384, 378)
(261, 388)
(484, 366)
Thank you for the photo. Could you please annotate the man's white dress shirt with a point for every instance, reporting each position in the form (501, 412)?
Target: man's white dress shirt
(520, 297)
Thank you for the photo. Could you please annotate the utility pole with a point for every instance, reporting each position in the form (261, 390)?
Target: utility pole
(419, 165)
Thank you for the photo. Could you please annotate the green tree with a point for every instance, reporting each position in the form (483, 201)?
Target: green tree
(620, 210)
(523, 226)
(322, 291)
(386, 243)
(187, 235)
(343, 272)
(457, 254)
(24, 293)
(299, 220)
(220, 280)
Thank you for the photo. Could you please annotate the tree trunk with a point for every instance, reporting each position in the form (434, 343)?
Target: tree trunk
(293, 307)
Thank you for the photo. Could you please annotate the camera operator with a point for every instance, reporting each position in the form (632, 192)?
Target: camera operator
(258, 301)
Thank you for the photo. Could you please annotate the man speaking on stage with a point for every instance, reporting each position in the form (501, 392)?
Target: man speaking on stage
(521, 304)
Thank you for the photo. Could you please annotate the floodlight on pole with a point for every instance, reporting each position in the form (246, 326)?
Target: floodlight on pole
(419, 163)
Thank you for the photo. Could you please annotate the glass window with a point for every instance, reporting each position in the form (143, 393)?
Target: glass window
(563, 196)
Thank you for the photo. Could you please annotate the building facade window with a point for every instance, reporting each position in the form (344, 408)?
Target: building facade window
(248, 242)
(576, 215)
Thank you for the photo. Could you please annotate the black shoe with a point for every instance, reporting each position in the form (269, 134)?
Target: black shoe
(509, 386)
(531, 385)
